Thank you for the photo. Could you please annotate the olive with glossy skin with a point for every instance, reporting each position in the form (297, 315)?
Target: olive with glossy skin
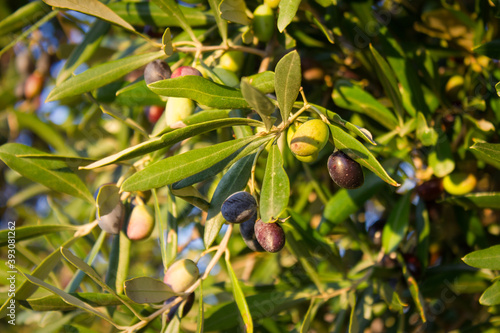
(263, 23)
(141, 223)
(239, 207)
(188, 304)
(310, 138)
(247, 231)
(270, 236)
(459, 183)
(185, 70)
(344, 171)
(113, 221)
(156, 70)
(181, 275)
(154, 113)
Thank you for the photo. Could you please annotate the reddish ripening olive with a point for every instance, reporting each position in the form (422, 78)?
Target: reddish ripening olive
(181, 275)
(270, 236)
(156, 70)
(185, 70)
(239, 207)
(113, 221)
(154, 113)
(33, 85)
(247, 231)
(430, 190)
(141, 223)
(344, 171)
(263, 23)
(188, 304)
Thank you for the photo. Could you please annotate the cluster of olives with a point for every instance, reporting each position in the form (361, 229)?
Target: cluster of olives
(307, 140)
(259, 236)
(140, 222)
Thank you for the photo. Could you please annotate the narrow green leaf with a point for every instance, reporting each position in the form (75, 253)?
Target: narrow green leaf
(263, 81)
(418, 299)
(288, 10)
(84, 50)
(148, 290)
(178, 167)
(234, 11)
(101, 75)
(201, 312)
(491, 296)
(477, 200)
(55, 303)
(352, 97)
(148, 13)
(28, 232)
(310, 314)
(233, 181)
(138, 94)
(360, 317)
(287, 83)
(161, 226)
(171, 8)
(17, 20)
(221, 24)
(54, 174)
(69, 298)
(201, 90)
(192, 195)
(275, 187)
(166, 41)
(359, 131)
(389, 82)
(94, 8)
(259, 102)
(428, 136)
(172, 232)
(441, 158)
(397, 224)
(391, 297)
(357, 151)
(127, 121)
(488, 152)
(488, 258)
(490, 49)
(423, 227)
(239, 297)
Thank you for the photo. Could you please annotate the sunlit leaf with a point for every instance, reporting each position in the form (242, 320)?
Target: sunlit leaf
(287, 79)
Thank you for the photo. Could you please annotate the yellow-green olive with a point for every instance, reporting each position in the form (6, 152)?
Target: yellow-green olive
(181, 275)
(459, 183)
(232, 61)
(263, 23)
(309, 138)
(272, 3)
(178, 108)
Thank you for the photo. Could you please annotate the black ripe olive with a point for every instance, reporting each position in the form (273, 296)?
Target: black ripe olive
(239, 207)
(345, 172)
(157, 70)
(247, 230)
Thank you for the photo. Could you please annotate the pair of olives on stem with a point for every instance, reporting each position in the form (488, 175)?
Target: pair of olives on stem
(241, 208)
(307, 140)
(181, 275)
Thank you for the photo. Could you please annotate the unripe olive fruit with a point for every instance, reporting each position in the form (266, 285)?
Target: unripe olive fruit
(263, 23)
(430, 190)
(154, 113)
(232, 61)
(156, 70)
(310, 138)
(33, 85)
(178, 108)
(188, 304)
(272, 3)
(113, 221)
(459, 183)
(247, 231)
(344, 171)
(185, 70)
(270, 236)
(181, 275)
(454, 86)
(307, 159)
(141, 223)
(239, 207)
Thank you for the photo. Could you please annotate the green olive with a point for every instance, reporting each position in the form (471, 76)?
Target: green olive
(232, 61)
(309, 138)
(272, 3)
(181, 275)
(454, 87)
(178, 108)
(459, 183)
(263, 23)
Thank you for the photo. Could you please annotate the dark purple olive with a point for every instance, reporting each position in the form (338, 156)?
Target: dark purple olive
(345, 172)
(248, 234)
(185, 70)
(157, 70)
(239, 207)
(188, 304)
(270, 236)
(413, 264)
(430, 190)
